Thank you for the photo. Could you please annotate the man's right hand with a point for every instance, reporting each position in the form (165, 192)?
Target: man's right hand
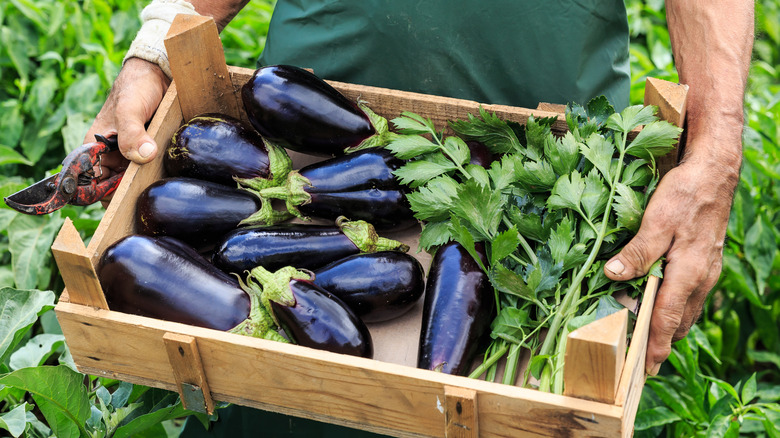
(133, 100)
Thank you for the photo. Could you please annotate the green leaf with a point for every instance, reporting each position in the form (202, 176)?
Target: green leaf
(59, 393)
(406, 147)
(567, 192)
(536, 176)
(490, 130)
(30, 238)
(536, 134)
(760, 249)
(528, 224)
(672, 399)
(599, 109)
(465, 238)
(11, 123)
(509, 282)
(631, 117)
(654, 140)
(434, 234)
(478, 174)
(510, 324)
(636, 174)
(654, 417)
(36, 351)
(416, 173)
(155, 407)
(456, 149)
(722, 426)
(503, 245)
(82, 97)
(628, 207)
(432, 201)
(701, 340)
(480, 207)
(599, 151)
(15, 420)
(563, 153)
(561, 239)
(10, 156)
(16, 49)
(20, 309)
(749, 390)
(502, 172)
(595, 196)
(413, 124)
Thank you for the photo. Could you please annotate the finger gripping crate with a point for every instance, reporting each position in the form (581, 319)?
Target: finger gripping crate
(386, 394)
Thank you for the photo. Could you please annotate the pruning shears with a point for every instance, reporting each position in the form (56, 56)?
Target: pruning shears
(77, 183)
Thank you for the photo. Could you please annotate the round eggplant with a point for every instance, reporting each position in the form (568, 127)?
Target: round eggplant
(296, 109)
(220, 148)
(377, 286)
(297, 245)
(457, 311)
(318, 319)
(162, 278)
(195, 211)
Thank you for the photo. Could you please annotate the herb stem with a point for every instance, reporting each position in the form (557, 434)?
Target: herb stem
(523, 242)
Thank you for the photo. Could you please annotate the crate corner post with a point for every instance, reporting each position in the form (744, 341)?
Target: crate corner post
(76, 268)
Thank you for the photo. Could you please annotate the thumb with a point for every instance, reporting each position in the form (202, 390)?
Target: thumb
(134, 142)
(636, 258)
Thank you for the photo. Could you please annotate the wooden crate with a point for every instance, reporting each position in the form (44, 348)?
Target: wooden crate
(386, 394)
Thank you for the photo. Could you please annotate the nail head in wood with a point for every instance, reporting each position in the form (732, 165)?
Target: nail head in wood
(461, 412)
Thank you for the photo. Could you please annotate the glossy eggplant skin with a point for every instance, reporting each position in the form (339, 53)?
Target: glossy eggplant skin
(366, 169)
(386, 210)
(378, 286)
(195, 211)
(216, 147)
(277, 246)
(479, 153)
(320, 320)
(296, 109)
(163, 278)
(457, 311)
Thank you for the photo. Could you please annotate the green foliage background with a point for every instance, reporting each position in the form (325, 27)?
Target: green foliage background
(57, 62)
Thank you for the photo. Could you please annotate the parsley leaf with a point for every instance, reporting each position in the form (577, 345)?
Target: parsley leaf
(654, 140)
(490, 130)
(406, 147)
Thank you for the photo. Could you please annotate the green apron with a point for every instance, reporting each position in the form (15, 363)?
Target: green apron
(510, 52)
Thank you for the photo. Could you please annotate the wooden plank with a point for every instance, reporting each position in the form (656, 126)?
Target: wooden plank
(357, 392)
(76, 267)
(670, 98)
(461, 415)
(187, 367)
(198, 60)
(595, 354)
(632, 379)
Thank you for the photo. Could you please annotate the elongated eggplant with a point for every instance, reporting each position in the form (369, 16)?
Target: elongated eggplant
(296, 109)
(161, 278)
(360, 185)
(195, 211)
(220, 148)
(378, 286)
(479, 154)
(298, 245)
(310, 315)
(457, 311)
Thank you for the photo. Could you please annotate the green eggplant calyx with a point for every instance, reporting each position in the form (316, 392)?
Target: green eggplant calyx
(276, 286)
(259, 324)
(382, 134)
(365, 237)
(266, 215)
(279, 166)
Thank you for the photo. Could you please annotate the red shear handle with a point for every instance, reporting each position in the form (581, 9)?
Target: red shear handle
(94, 191)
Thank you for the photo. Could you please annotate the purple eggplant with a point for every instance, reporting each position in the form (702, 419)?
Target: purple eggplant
(298, 245)
(195, 211)
(457, 311)
(296, 109)
(378, 286)
(309, 315)
(479, 153)
(219, 148)
(360, 185)
(161, 278)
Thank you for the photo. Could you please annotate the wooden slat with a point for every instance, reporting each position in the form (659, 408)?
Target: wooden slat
(633, 377)
(595, 355)
(368, 394)
(461, 413)
(198, 60)
(187, 367)
(76, 268)
(670, 98)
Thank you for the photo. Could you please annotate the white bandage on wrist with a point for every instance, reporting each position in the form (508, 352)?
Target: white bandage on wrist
(149, 43)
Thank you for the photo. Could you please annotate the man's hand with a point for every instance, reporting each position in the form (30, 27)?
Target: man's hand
(686, 221)
(133, 99)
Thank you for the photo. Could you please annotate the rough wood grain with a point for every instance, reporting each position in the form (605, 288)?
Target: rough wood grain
(595, 354)
(197, 60)
(670, 98)
(76, 267)
(184, 356)
(461, 413)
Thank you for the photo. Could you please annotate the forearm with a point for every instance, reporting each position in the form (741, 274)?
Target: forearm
(712, 42)
(222, 11)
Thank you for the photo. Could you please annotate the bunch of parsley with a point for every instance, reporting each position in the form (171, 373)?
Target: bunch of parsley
(551, 208)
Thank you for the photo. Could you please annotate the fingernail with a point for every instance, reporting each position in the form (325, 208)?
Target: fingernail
(654, 370)
(616, 267)
(146, 149)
